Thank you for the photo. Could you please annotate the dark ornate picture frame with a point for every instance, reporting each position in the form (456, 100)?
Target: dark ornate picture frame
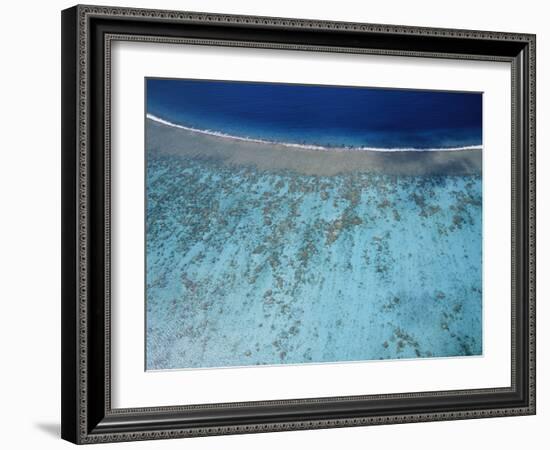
(87, 34)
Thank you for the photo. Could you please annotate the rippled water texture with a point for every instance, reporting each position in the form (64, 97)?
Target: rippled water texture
(252, 265)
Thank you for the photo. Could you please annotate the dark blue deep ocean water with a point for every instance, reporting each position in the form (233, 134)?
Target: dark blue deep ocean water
(254, 258)
(330, 116)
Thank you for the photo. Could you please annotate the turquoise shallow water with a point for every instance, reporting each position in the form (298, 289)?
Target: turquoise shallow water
(252, 267)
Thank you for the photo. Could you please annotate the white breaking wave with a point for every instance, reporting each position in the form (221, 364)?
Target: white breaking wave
(307, 146)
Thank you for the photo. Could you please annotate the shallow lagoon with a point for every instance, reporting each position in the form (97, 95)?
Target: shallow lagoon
(248, 265)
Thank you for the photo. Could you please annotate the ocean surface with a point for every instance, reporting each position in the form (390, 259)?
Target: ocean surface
(257, 256)
(328, 116)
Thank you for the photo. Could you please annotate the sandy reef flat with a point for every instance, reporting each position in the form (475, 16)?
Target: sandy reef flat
(170, 141)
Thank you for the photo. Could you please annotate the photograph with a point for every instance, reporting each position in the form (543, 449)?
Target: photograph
(307, 224)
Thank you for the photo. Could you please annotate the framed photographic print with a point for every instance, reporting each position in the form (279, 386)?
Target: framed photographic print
(281, 224)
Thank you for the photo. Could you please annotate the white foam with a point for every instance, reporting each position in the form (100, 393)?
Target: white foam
(306, 146)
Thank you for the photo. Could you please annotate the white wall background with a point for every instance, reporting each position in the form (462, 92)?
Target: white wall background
(30, 224)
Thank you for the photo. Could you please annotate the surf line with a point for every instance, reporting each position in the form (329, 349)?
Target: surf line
(306, 146)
